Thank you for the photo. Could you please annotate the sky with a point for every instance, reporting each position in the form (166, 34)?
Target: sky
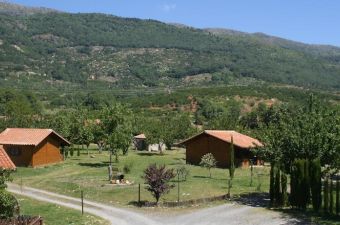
(308, 21)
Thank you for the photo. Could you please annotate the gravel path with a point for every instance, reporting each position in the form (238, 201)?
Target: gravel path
(225, 214)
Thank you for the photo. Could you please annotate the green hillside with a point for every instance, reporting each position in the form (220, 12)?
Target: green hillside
(41, 47)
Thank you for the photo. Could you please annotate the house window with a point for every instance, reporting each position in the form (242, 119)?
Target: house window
(14, 151)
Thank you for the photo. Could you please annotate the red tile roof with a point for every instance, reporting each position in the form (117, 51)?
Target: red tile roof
(27, 136)
(5, 162)
(140, 136)
(240, 140)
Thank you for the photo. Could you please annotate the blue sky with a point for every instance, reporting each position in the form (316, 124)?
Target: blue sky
(309, 21)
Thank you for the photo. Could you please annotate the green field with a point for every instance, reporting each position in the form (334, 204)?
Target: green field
(90, 174)
(56, 215)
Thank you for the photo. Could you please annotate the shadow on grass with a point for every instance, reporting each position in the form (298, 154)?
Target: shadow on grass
(150, 154)
(95, 165)
(210, 178)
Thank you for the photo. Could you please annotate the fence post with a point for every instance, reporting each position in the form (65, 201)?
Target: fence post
(82, 202)
(337, 196)
(139, 203)
(178, 188)
(21, 184)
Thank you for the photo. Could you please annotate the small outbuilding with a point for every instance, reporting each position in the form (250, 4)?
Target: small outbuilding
(140, 144)
(139, 141)
(32, 147)
(218, 142)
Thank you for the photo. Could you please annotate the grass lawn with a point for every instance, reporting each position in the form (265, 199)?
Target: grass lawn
(56, 215)
(90, 174)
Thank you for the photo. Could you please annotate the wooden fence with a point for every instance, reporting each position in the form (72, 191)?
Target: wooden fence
(23, 220)
(331, 196)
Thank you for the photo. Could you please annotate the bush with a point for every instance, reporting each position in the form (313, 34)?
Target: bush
(157, 179)
(8, 205)
(208, 161)
(127, 168)
(183, 173)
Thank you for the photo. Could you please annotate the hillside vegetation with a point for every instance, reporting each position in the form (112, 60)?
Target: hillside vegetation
(45, 47)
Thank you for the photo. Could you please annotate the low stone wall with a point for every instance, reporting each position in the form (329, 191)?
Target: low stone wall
(183, 203)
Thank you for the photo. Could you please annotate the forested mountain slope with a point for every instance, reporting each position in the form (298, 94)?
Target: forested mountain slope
(44, 46)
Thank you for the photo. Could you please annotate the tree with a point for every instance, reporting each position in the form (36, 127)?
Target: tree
(309, 132)
(177, 127)
(156, 132)
(116, 122)
(315, 172)
(86, 136)
(208, 161)
(157, 179)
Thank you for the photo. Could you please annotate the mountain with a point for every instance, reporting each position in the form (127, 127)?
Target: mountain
(9, 8)
(40, 47)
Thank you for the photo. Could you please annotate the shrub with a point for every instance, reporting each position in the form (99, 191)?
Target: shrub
(183, 173)
(8, 205)
(157, 179)
(208, 161)
(127, 168)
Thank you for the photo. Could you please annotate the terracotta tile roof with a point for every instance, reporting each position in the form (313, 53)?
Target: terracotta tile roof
(140, 136)
(27, 136)
(5, 161)
(240, 140)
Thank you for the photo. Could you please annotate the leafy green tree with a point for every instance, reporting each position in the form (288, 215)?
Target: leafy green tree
(208, 161)
(116, 122)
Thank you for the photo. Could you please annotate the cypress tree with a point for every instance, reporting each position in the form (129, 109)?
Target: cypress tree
(325, 196)
(78, 151)
(284, 197)
(316, 185)
(271, 187)
(305, 191)
(300, 188)
(337, 198)
(331, 197)
(232, 159)
(293, 185)
(277, 186)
